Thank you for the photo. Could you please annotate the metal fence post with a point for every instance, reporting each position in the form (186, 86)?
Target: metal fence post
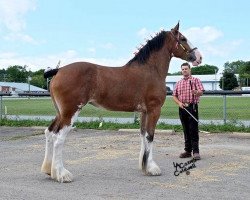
(1, 107)
(225, 108)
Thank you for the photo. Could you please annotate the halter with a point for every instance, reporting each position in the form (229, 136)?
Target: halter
(179, 43)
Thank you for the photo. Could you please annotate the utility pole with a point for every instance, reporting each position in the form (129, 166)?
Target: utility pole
(29, 79)
(215, 80)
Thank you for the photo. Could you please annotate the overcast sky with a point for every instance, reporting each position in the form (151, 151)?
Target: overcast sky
(38, 33)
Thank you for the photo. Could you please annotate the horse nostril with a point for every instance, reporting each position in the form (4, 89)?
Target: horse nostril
(191, 57)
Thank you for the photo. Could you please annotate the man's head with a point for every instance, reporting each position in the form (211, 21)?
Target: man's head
(185, 69)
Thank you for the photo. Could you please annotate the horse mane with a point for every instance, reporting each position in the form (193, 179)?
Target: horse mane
(154, 44)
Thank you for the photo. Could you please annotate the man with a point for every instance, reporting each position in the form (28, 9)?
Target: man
(186, 94)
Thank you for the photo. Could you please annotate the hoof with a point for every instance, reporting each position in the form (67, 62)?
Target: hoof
(46, 168)
(62, 176)
(153, 170)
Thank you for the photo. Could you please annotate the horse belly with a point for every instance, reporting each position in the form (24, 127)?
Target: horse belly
(116, 104)
(118, 89)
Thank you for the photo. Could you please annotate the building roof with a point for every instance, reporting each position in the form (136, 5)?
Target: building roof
(22, 86)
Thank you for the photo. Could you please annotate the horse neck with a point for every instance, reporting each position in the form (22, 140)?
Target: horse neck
(160, 61)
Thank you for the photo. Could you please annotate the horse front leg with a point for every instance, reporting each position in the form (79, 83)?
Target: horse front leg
(149, 166)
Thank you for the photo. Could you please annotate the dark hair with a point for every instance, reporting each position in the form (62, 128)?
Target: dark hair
(154, 44)
(185, 64)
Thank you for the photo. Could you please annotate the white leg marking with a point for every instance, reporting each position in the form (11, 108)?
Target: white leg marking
(58, 105)
(151, 167)
(58, 172)
(74, 118)
(142, 151)
(46, 166)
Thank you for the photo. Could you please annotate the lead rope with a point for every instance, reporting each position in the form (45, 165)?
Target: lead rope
(190, 82)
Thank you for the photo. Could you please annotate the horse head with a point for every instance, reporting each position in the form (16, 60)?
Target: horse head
(183, 48)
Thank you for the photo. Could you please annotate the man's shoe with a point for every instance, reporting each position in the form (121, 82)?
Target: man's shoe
(196, 156)
(185, 155)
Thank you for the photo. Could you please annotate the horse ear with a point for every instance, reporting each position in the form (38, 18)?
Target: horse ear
(176, 28)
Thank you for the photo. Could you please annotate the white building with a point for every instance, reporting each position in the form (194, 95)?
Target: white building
(210, 82)
(16, 88)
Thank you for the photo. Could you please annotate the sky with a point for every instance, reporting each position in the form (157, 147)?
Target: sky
(39, 33)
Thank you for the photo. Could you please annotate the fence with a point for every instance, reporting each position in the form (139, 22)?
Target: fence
(218, 107)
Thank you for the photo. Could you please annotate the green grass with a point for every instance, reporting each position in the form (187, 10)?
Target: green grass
(115, 126)
(238, 108)
(212, 108)
(45, 107)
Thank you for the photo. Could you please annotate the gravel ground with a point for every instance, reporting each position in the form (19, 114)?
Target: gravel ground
(105, 166)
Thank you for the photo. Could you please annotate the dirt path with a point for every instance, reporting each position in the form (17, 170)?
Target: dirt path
(105, 166)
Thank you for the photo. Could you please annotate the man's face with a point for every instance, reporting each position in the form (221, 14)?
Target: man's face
(186, 71)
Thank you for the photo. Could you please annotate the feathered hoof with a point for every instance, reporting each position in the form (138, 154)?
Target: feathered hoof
(153, 169)
(62, 176)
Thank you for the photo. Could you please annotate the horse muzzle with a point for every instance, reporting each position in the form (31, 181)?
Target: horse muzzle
(194, 57)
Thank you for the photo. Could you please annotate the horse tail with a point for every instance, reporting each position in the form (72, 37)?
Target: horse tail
(49, 73)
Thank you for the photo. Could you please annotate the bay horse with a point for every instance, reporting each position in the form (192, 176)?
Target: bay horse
(138, 86)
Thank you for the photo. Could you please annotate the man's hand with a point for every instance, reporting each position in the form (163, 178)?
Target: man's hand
(181, 105)
(196, 93)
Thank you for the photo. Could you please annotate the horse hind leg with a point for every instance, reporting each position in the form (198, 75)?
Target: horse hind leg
(55, 138)
(146, 162)
(46, 166)
(142, 135)
(149, 165)
(67, 119)
(58, 172)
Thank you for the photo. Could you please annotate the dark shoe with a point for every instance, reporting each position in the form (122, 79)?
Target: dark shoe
(196, 156)
(185, 155)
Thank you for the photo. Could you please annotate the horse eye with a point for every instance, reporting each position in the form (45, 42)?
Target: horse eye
(183, 39)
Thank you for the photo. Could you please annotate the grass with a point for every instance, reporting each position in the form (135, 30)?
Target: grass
(238, 108)
(44, 106)
(115, 126)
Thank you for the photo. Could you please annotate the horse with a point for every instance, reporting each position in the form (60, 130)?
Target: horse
(137, 86)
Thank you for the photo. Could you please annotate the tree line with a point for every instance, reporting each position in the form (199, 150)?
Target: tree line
(228, 81)
(20, 74)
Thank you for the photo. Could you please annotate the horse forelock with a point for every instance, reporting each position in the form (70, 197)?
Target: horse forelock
(152, 45)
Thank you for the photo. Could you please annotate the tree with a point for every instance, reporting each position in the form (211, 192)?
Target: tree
(17, 73)
(38, 79)
(3, 75)
(245, 74)
(228, 81)
(204, 69)
(234, 67)
(176, 73)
